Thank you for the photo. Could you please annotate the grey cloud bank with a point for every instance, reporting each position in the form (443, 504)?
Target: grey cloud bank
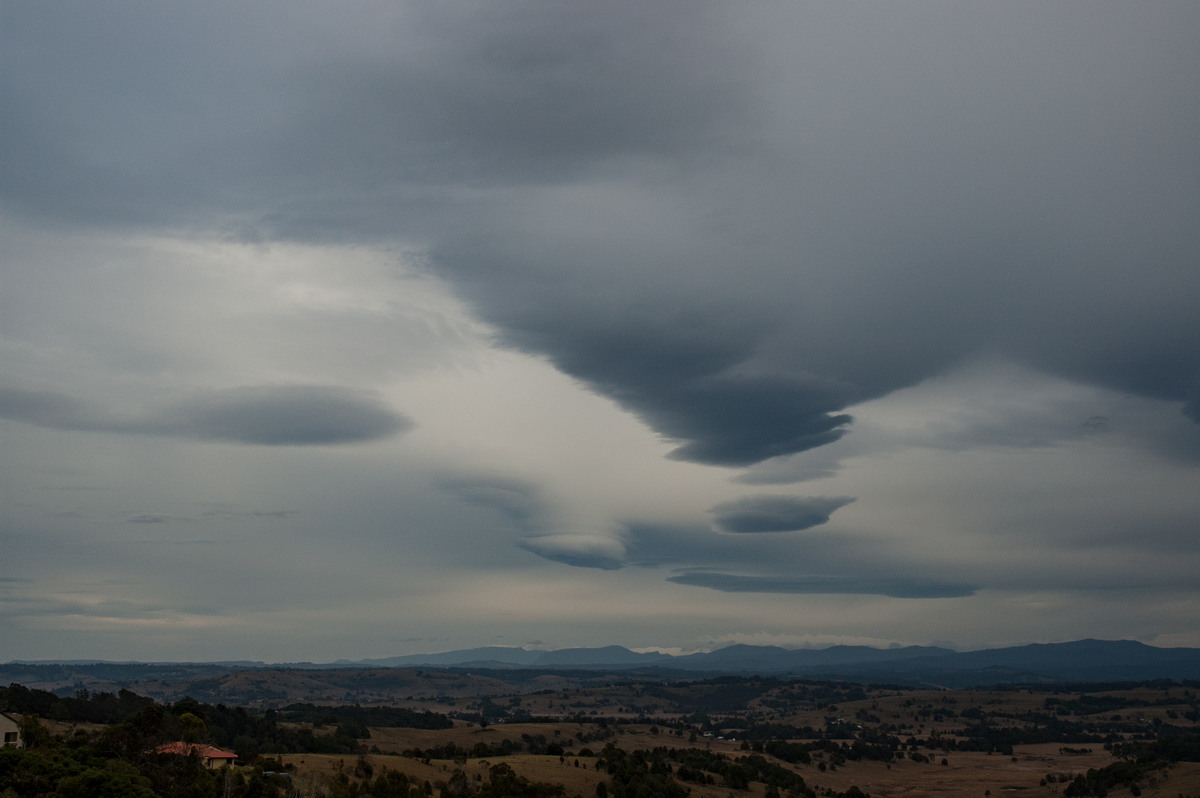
(588, 277)
(951, 191)
(295, 415)
(894, 588)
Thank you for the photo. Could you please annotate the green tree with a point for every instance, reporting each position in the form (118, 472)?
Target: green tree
(192, 726)
(33, 733)
(116, 779)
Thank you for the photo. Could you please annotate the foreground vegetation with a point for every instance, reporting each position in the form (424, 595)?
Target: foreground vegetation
(712, 738)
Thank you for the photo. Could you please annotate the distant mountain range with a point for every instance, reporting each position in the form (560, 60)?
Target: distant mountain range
(731, 659)
(1078, 661)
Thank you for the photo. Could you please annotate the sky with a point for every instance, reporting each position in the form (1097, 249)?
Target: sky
(358, 329)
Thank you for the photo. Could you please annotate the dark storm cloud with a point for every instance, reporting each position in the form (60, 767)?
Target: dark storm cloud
(144, 125)
(735, 223)
(683, 371)
(894, 587)
(950, 194)
(298, 415)
(1191, 408)
(724, 419)
(776, 513)
(526, 92)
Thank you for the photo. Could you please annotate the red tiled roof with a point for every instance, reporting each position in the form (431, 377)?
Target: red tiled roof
(200, 749)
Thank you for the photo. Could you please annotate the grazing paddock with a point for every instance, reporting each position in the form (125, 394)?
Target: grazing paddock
(1035, 771)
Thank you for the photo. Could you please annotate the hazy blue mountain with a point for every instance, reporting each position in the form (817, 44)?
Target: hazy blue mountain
(773, 659)
(496, 655)
(1078, 661)
(1082, 660)
(736, 657)
(608, 656)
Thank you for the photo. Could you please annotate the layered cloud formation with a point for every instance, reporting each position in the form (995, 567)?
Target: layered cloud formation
(580, 280)
(294, 415)
(776, 513)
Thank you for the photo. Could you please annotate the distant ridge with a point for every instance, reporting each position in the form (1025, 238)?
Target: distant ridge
(1076, 661)
(1081, 660)
(497, 655)
(608, 655)
(735, 658)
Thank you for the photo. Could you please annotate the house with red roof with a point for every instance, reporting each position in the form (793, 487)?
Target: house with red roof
(211, 756)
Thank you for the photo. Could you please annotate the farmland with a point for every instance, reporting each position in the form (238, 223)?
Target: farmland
(458, 733)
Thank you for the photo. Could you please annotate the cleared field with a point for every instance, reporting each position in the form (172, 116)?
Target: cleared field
(972, 775)
(1031, 770)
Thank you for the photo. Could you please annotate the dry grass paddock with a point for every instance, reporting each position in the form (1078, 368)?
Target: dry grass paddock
(966, 774)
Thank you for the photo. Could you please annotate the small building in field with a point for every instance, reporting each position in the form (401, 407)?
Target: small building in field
(211, 756)
(10, 731)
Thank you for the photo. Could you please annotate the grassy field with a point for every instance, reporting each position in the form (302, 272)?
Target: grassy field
(970, 774)
(976, 774)
(581, 720)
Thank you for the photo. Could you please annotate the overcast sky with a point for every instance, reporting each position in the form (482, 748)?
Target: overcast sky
(368, 328)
